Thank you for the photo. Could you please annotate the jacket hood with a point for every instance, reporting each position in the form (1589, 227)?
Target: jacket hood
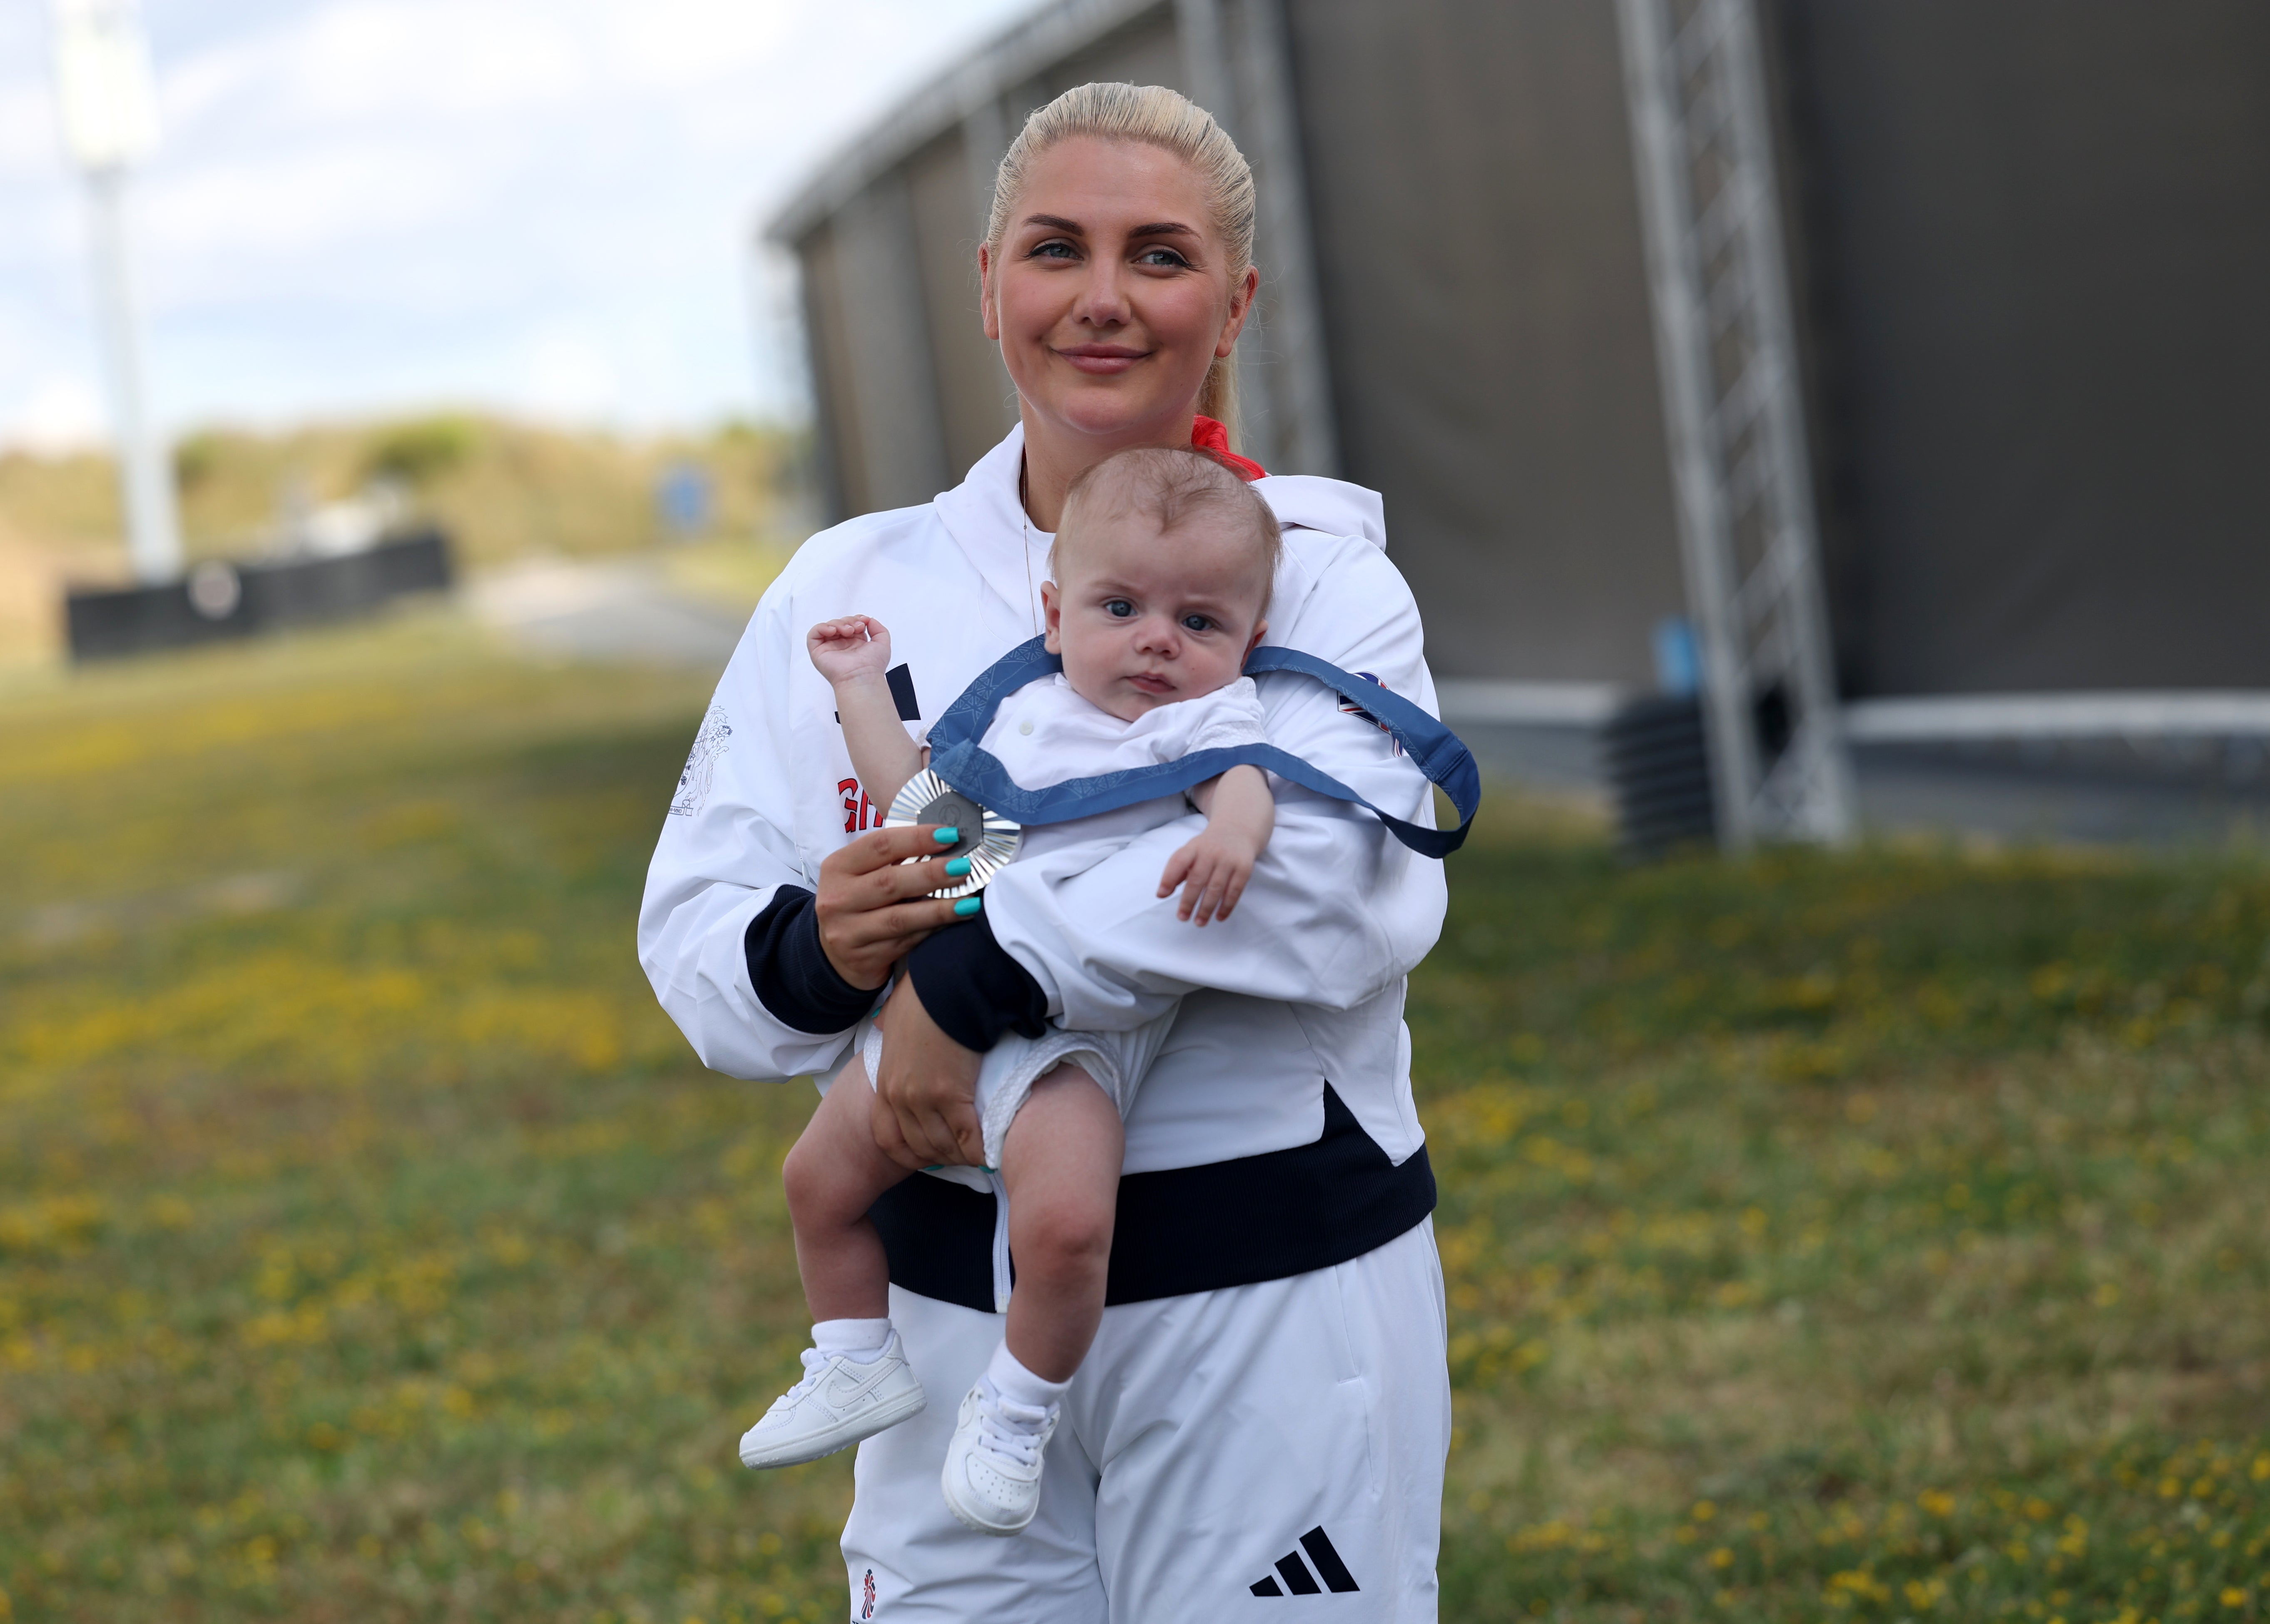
(1332, 506)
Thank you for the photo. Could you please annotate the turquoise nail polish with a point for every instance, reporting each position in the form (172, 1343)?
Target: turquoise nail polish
(959, 867)
(968, 906)
(947, 836)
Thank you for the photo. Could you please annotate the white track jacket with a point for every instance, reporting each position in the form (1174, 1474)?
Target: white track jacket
(1301, 986)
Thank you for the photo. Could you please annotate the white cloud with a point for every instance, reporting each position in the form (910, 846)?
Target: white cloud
(337, 199)
(569, 376)
(678, 44)
(542, 204)
(366, 59)
(58, 414)
(29, 144)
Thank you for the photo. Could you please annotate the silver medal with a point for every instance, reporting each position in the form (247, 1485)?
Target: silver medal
(988, 839)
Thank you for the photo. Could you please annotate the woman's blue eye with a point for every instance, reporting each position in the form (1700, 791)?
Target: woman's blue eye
(1161, 256)
(1196, 623)
(1117, 608)
(1058, 249)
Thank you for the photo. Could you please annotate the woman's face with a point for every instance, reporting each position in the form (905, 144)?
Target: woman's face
(1110, 295)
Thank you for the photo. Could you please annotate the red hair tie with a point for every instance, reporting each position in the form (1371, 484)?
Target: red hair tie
(1212, 438)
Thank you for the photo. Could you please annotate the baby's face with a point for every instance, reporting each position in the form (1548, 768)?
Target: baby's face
(1143, 619)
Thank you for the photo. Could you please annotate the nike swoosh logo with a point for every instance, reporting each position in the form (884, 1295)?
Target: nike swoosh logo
(840, 1397)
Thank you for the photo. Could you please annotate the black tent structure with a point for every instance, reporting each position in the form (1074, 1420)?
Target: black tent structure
(1907, 355)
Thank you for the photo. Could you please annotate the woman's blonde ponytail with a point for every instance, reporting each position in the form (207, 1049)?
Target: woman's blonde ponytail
(1170, 121)
(1218, 395)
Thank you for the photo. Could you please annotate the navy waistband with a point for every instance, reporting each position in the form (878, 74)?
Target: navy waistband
(1185, 1229)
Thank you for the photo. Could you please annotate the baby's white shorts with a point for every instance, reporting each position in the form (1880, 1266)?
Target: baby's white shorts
(1119, 1061)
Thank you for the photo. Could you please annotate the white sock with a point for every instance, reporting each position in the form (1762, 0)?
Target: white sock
(862, 1341)
(1018, 1385)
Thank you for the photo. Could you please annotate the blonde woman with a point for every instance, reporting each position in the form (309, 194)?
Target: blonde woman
(1265, 1409)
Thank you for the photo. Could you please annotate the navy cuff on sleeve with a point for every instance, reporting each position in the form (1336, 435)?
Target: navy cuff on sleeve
(791, 974)
(973, 988)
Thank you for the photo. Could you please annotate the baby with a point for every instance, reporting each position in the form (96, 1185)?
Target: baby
(1162, 564)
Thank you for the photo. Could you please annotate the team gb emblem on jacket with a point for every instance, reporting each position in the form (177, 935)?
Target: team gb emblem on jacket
(702, 764)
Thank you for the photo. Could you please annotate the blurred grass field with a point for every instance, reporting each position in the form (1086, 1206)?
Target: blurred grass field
(504, 490)
(1864, 1237)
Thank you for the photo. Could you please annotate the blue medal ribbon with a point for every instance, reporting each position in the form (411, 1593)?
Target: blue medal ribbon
(956, 756)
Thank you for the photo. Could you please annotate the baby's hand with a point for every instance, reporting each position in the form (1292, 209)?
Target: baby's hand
(1215, 864)
(846, 649)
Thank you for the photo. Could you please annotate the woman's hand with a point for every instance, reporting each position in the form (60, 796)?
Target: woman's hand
(925, 1099)
(873, 905)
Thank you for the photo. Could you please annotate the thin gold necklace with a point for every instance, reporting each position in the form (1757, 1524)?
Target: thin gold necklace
(1032, 606)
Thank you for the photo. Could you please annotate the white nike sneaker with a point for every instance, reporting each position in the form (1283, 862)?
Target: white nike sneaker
(839, 1402)
(992, 1479)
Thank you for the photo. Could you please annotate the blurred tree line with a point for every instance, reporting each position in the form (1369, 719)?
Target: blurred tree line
(503, 488)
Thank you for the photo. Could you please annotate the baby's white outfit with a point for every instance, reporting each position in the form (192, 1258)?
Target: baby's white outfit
(1044, 734)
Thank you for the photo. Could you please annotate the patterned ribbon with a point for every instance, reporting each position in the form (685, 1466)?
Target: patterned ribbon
(956, 757)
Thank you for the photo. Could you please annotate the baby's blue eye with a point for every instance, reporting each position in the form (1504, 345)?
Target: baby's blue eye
(1119, 608)
(1196, 623)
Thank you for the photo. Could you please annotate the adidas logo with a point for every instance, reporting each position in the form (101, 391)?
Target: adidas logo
(1299, 1580)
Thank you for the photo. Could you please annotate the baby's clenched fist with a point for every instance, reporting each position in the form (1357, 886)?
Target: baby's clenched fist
(850, 648)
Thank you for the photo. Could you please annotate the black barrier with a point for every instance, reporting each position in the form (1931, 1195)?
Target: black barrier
(1658, 766)
(218, 601)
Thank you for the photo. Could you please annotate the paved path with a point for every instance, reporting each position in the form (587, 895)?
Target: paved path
(616, 610)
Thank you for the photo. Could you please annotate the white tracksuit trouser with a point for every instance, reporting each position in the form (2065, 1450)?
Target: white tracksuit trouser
(1211, 1444)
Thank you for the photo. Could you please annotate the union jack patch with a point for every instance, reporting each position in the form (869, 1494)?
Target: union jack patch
(1349, 708)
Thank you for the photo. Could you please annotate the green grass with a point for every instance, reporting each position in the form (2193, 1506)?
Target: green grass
(1876, 1236)
(1870, 1237)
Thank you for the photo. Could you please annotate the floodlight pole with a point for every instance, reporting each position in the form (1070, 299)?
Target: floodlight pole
(107, 94)
(145, 483)
(1236, 58)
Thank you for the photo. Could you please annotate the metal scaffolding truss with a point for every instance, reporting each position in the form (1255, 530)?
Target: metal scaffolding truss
(1237, 59)
(1732, 406)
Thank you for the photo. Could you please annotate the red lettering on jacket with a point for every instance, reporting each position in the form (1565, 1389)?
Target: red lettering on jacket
(859, 812)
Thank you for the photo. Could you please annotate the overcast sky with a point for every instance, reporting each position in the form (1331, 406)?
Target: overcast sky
(367, 205)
